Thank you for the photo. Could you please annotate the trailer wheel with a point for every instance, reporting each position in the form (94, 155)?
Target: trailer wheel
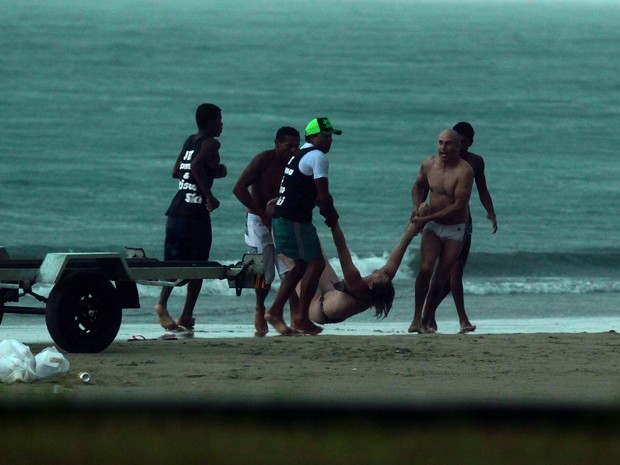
(83, 313)
(3, 299)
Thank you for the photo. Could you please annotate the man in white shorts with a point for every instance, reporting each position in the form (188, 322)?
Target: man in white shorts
(259, 238)
(447, 232)
(450, 180)
(263, 175)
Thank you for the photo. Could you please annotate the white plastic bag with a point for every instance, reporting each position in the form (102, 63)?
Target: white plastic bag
(49, 363)
(18, 364)
(11, 369)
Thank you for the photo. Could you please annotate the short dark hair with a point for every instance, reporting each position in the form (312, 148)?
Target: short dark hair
(286, 131)
(205, 113)
(464, 129)
(382, 297)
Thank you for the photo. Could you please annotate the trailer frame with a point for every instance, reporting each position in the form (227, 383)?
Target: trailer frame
(90, 290)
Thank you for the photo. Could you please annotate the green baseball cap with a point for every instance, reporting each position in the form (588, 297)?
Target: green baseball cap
(323, 125)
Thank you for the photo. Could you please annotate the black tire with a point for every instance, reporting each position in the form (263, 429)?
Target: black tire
(83, 313)
(3, 299)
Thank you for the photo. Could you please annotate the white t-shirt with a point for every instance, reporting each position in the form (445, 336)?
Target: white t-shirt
(314, 163)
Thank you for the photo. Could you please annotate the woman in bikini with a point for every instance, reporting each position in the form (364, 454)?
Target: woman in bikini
(336, 300)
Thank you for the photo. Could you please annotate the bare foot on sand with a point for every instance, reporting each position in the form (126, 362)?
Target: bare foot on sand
(182, 332)
(467, 328)
(165, 320)
(306, 327)
(189, 324)
(427, 329)
(260, 325)
(278, 324)
(414, 327)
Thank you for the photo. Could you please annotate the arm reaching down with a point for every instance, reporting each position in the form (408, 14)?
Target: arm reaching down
(396, 257)
(326, 202)
(350, 272)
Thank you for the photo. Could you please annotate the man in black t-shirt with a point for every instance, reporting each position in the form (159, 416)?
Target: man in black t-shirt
(188, 226)
(303, 186)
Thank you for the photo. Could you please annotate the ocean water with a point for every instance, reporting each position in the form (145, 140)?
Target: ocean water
(97, 99)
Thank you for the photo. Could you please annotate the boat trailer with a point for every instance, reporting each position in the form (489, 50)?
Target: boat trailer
(83, 311)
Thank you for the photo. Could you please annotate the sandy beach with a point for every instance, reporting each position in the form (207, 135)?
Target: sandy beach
(443, 399)
(414, 370)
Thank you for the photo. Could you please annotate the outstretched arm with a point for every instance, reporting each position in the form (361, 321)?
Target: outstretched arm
(420, 189)
(351, 274)
(396, 257)
(325, 202)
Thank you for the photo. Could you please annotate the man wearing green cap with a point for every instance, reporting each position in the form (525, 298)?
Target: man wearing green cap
(303, 186)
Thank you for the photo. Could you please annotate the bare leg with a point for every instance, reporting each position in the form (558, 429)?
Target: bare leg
(456, 285)
(193, 290)
(449, 254)
(432, 302)
(260, 325)
(165, 320)
(274, 316)
(430, 247)
(421, 289)
(326, 280)
(293, 302)
(444, 294)
(300, 320)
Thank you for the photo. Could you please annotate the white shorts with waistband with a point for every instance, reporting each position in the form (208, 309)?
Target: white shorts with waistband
(258, 236)
(447, 232)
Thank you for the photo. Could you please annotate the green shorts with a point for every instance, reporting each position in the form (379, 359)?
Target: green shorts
(298, 241)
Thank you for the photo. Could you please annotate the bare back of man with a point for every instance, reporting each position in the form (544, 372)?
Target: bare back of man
(450, 180)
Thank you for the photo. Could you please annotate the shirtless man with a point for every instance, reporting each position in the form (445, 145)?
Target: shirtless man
(466, 132)
(450, 180)
(455, 285)
(263, 174)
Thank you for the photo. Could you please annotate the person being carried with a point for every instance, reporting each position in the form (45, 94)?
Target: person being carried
(450, 180)
(188, 226)
(303, 186)
(338, 300)
(263, 175)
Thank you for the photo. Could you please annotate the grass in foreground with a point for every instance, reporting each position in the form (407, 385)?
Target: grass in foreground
(154, 436)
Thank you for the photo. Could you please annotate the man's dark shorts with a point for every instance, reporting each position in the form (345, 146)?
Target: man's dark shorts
(188, 238)
(466, 243)
(298, 241)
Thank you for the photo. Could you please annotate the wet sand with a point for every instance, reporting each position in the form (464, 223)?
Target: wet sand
(406, 370)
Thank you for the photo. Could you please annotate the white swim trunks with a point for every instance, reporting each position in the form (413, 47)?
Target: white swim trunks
(447, 232)
(258, 236)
